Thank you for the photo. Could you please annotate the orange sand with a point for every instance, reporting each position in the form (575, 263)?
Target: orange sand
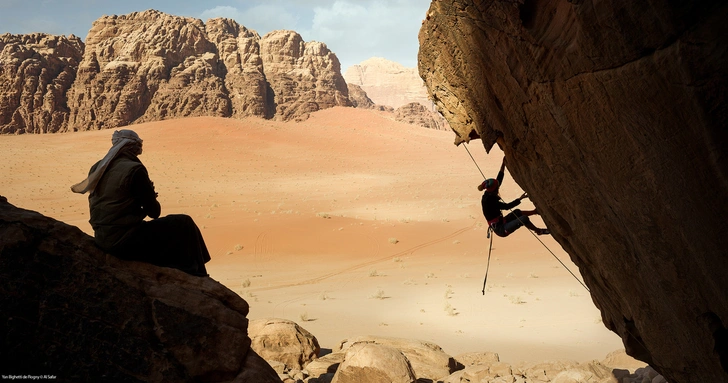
(300, 220)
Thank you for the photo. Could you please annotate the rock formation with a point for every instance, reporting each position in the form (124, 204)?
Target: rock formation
(613, 118)
(148, 66)
(36, 71)
(304, 77)
(417, 114)
(69, 310)
(239, 51)
(359, 98)
(388, 83)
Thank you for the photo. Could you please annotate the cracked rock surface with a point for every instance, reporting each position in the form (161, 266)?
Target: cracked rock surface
(613, 118)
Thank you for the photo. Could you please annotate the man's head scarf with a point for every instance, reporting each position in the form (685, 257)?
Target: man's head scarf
(120, 140)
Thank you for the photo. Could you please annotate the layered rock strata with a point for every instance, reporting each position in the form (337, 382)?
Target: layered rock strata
(613, 118)
(303, 77)
(148, 66)
(36, 72)
(71, 311)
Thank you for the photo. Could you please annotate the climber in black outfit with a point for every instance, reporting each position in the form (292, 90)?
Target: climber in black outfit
(493, 206)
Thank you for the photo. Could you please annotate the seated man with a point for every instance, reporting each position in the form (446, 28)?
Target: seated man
(122, 196)
(493, 206)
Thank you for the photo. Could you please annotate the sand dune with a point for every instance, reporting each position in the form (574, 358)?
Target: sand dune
(348, 223)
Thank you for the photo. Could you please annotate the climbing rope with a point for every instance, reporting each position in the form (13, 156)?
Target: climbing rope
(522, 223)
(487, 268)
(490, 249)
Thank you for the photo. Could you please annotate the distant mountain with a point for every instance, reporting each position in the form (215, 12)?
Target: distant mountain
(388, 83)
(149, 66)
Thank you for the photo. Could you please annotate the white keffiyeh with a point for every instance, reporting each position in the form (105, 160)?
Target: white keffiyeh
(119, 140)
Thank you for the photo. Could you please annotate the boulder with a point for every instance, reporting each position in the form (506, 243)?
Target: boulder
(477, 358)
(620, 359)
(69, 310)
(326, 364)
(428, 360)
(283, 341)
(612, 118)
(471, 374)
(374, 363)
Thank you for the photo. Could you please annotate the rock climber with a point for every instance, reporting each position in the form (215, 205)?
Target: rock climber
(493, 206)
(122, 196)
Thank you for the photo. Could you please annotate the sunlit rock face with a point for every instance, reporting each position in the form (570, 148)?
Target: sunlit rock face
(36, 71)
(613, 118)
(303, 76)
(149, 66)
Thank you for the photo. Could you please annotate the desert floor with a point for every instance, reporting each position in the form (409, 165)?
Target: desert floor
(348, 223)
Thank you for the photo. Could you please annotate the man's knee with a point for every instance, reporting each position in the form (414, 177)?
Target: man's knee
(182, 218)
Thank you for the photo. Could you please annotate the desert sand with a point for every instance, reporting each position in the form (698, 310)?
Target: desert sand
(348, 223)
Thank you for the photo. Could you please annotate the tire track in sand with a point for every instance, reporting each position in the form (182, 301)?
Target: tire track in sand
(368, 263)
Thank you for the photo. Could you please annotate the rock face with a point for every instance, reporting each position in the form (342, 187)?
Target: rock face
(149, 66)
(146, 66)
(613, 118)
(388, 83)
(304, 77)
(69, 310)
(36, 71)
(359, 98)
(417, 114)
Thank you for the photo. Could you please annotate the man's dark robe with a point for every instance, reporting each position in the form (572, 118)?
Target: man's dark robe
(123, 197)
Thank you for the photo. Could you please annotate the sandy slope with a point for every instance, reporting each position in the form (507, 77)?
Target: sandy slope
(300, 220)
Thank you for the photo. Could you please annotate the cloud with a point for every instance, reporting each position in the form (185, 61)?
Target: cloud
(356, 31)
(262, 18)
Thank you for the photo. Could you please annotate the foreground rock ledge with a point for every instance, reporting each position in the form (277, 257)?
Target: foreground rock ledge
(613, 118)
(69, 310)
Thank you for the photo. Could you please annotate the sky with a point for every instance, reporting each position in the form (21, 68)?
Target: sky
(354, 30)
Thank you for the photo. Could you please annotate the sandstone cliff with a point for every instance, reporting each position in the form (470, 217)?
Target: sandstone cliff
(304, 77)
(613, 119)
(69, 310)
(147, 66)
(388, 83)
(359, 98)
(417, 114)
(36, 71)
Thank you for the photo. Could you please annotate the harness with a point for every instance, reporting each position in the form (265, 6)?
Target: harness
(493, 224)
